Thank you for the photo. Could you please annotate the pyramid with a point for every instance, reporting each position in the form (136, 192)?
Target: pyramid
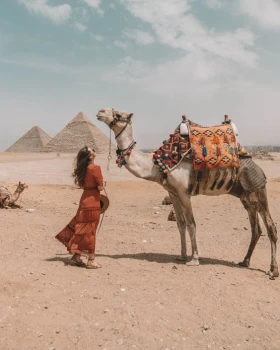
(33, 141)
(79, 132)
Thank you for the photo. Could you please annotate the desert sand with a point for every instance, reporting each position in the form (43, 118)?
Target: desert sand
(142, 297)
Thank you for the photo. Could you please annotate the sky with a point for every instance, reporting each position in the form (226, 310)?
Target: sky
(156, 58)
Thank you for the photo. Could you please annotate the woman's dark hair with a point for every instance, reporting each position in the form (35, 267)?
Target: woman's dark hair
(81, 163)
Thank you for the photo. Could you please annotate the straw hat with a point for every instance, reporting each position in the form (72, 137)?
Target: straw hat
(104, 203)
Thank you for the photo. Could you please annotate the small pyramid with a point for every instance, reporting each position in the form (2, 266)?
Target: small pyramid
(80, 131)
(33, 141)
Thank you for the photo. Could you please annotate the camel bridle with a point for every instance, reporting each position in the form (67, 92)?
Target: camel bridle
(116, 119)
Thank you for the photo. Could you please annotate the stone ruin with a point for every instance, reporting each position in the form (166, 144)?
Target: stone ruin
(259, 153)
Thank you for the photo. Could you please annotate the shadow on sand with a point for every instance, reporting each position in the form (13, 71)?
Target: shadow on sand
(165, 259)
(155, 257)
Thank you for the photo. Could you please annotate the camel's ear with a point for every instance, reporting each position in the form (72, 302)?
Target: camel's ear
(130, 116)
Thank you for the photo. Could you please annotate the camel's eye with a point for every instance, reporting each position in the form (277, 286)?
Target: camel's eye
(118, 115)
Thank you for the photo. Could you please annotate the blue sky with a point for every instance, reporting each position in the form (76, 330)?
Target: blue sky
(157, 58)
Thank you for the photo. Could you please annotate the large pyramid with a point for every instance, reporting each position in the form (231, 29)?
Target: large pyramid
(80, 131)
(33, 141)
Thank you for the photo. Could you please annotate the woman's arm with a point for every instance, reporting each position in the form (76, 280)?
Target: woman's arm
(97, 174)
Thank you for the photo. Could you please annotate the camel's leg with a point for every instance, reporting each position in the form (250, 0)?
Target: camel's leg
(255, 228)
(259, 227)
(181, 224)
(185, 202)
(259, 204)
(272, 234)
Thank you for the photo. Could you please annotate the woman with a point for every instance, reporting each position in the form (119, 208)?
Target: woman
(80, 234)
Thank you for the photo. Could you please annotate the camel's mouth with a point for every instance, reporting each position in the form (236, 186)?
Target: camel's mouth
(100, 115)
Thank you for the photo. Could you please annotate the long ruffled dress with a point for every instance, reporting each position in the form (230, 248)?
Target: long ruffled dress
(79, 235)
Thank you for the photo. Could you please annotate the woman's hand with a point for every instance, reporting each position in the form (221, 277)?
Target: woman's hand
(100, 188)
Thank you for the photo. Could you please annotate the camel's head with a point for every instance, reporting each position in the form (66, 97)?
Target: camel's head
(22, 186)
(114, 119)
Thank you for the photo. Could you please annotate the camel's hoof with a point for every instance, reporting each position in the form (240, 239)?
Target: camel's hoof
(193, 262)
(272, 274)
(244, 263)
(181, 258)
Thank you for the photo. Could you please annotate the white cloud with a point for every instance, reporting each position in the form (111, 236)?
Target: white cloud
(81, 27)
(121, 44)
(176, 27)
(142, 38)
(58, 14)
(97, 37)
(95, 4)
(265, 12)
(215, 4)
(191, 75)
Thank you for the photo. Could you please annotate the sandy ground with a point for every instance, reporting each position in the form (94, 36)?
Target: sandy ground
(142, 298)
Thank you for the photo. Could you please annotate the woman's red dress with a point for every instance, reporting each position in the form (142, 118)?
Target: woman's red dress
(80, 234)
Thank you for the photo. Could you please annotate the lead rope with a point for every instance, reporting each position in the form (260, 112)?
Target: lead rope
(102, 215)
(110, 150)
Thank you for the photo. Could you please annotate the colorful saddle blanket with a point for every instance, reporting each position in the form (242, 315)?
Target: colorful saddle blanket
(172, 150)
(214, 147)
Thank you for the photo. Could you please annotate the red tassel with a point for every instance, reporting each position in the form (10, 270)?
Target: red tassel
(202, 141)
(226, 139)
(218, 151)
(215, 140)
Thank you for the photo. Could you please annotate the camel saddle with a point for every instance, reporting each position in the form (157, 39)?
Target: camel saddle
(214, 147)
(211, 147)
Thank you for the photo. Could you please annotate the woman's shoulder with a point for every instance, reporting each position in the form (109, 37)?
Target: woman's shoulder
(93, 166)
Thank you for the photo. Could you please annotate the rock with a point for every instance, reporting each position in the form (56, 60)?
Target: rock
(166, 201)
(171, 216)
(30, 210)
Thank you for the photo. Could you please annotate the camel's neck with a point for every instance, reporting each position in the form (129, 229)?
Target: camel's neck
(138, 163)
(15, 196)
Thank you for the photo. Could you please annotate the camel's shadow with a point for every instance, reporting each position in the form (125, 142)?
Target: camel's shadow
(158, 258)
(167, 259)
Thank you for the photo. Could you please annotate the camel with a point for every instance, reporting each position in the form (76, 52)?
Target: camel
(177, 185)
(8, 199)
